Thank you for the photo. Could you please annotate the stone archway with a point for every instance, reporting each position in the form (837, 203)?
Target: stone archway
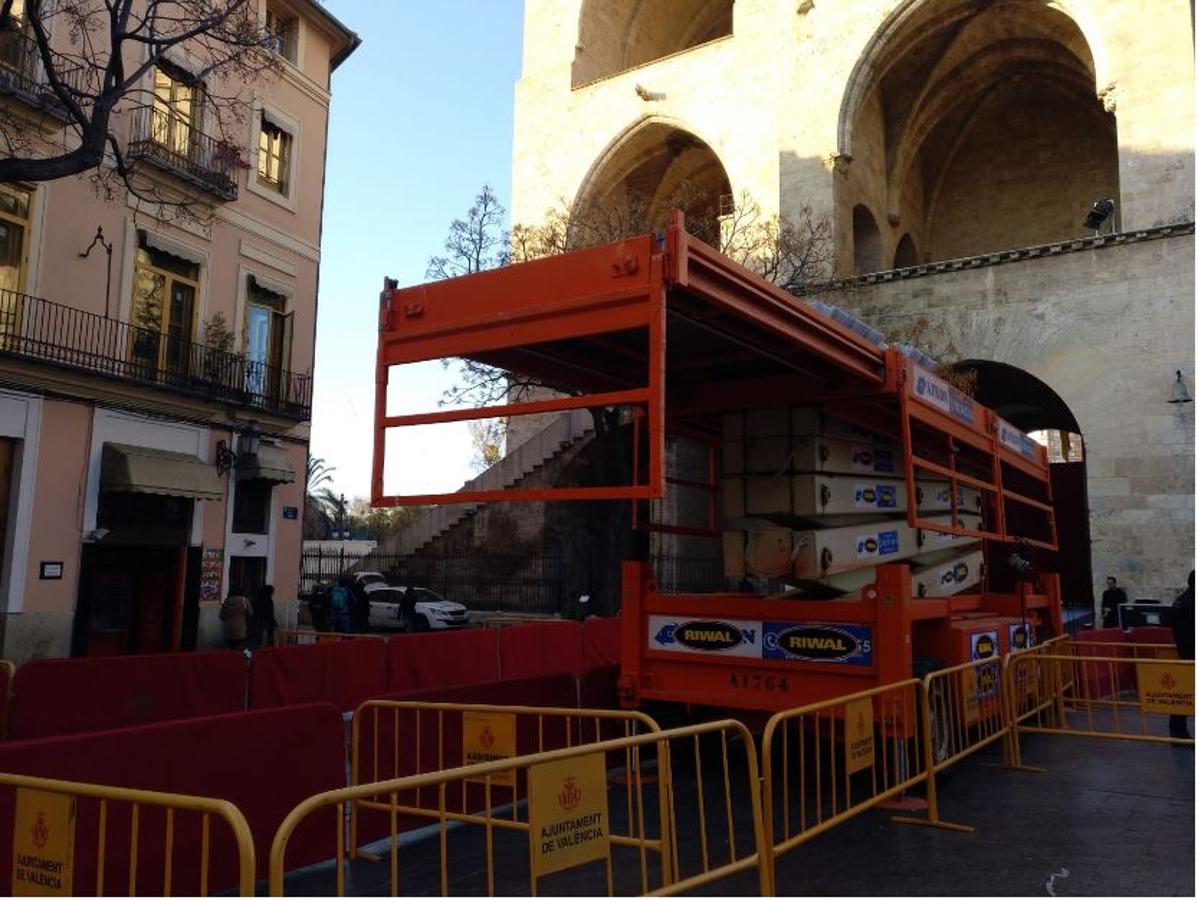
(653, 168)
(617, 35)
(977, 127)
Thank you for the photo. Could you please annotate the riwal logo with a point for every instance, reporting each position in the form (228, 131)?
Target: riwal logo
(1012, 437)
(875, 496)
(983, 644)
(881, 543)
(724, 637)
(818, 642)
(941, 395)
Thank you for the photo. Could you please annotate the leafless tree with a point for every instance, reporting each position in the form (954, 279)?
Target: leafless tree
(789, 253)
(89, 64)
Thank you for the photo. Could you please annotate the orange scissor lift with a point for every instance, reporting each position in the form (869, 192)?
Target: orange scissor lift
(668, 328)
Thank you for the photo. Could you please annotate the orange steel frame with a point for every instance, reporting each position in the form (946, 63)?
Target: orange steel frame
(734, 340)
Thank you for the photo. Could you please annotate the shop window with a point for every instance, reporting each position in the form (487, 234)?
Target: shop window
(246, 575)
(251, 506)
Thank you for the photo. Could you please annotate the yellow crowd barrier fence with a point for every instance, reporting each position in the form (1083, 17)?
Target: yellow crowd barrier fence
(829, 761)
(394, 738)
(1100, 696)
(654, 813)
(47, 843)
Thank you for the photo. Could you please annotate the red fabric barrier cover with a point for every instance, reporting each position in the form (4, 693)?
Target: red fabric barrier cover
(377, 741)
(541, 648)
(1100, 678)
(5, 684)
(264, 762)
(435, 659)
(68, 696)
(1151, 634)
(343, 673)
(601, 642)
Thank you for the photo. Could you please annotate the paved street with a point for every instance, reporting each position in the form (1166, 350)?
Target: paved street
(1108, 817)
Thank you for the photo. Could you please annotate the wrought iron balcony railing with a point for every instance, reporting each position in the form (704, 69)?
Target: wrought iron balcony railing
(176, 145)
(43, 331)
(23, 75)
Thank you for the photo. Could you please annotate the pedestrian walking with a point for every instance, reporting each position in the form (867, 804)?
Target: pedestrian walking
(1183, 634)
(264, 615)
(235, 615)
(340, 600)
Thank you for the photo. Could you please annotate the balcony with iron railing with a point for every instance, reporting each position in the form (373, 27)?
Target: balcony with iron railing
(23, 74)
(169, 142)
(37, 330)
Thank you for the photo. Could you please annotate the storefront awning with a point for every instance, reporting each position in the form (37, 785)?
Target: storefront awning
(143, 470)
(271, 464)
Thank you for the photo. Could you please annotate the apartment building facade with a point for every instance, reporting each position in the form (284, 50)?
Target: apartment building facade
(156, 369)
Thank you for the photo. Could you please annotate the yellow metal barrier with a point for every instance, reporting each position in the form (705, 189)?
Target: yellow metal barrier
(568, 824)
(1101, 696)
(286, 637)
(484, 732)
(51, 821)
(1126, 650)
(826, 762)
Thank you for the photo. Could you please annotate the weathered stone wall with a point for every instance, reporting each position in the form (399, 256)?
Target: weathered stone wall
(1105, 327)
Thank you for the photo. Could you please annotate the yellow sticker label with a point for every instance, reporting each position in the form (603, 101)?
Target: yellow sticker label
(43, 844)
(969, 694)
(567, 813)
(1166, 688)
(487, 737)
(859, 735)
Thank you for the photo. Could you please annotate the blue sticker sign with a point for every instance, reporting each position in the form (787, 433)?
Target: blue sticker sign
(1011, 437)
(290, 512)
(818, 642)
(940, 394)
(875, 496)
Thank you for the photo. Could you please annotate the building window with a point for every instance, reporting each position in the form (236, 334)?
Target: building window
(14, 253)
(274, 157)
(267, 339)
(282, 31)
(251, 506)
(164, 307)
(176, 114)
(14, 50)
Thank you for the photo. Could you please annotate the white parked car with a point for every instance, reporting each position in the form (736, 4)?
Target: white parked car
(430, 611)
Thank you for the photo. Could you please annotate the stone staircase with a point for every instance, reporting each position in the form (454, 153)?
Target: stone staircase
(565, 431)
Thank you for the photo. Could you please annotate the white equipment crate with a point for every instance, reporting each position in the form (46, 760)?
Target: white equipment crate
(808, 453)
(782, 552)
(836, 495)
(799, 420)
(951, 576)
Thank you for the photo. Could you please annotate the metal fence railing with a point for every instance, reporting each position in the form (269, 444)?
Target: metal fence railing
(23, 73)
(537, 583)
(170, 142)
(51, 332)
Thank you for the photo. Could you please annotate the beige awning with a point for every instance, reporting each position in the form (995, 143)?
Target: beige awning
(144, 470)
(271, 464)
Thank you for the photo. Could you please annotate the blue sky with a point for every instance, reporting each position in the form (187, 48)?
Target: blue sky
(421, 119)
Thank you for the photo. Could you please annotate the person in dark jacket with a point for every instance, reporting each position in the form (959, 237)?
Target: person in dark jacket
(1112, 597)
(1183, 634)
(264, 615)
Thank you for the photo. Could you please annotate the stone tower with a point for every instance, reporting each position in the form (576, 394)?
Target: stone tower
(955, 147)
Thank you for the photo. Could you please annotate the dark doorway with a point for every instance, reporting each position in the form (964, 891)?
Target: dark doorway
(1033, 407)
(134, 579)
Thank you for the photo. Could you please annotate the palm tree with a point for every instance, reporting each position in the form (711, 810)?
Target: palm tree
(320, 503)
